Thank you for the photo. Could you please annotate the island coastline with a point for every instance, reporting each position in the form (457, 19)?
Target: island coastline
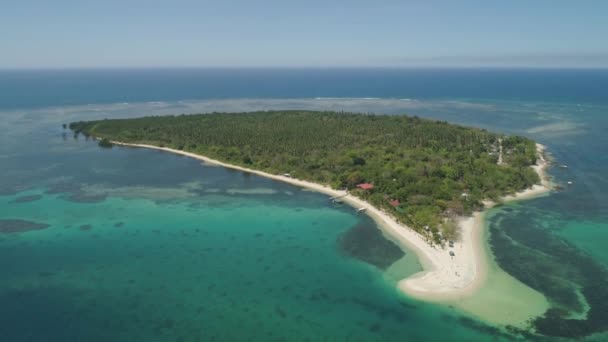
(444, 278)
(437, 284)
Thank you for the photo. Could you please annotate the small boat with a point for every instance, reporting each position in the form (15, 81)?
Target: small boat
(361, 210)
(563, 166)
(569, 182)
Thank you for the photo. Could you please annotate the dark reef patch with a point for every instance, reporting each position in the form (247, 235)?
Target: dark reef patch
(490, 330)
(81, 197)
(366, 243)
(85, 227)
(20, 226)
(25, 199)
(8, 190)
(74, 193)
(547, 263)
(383, 312)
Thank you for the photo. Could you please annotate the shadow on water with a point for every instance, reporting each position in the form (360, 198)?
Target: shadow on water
(366, 243)
(526, 249)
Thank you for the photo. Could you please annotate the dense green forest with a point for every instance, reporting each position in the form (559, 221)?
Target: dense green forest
(435, 170)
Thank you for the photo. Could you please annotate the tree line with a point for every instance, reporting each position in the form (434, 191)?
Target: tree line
(435, 170)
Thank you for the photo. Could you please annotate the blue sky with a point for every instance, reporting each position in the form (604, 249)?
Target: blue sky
(112, 33)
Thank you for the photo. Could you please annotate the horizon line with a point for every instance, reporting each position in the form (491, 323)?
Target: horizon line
(292, 67)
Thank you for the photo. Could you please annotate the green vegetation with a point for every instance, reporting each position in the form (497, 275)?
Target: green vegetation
(434, 169)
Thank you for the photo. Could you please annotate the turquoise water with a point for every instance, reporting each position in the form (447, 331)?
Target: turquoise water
(144, 245)
(192, 269)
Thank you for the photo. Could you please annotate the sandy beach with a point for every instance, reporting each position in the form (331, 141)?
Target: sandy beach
(444, 277)
(451, 278)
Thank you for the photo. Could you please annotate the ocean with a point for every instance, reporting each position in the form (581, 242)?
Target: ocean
(130, 244)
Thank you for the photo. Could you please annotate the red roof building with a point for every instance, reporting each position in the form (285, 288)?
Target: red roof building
(365, 186)
(395, 203)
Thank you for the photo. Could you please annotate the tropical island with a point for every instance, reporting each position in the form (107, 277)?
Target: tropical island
(424, 181)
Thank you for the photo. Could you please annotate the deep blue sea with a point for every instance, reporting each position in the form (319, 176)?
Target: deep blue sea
(136, 245)
(42, 88)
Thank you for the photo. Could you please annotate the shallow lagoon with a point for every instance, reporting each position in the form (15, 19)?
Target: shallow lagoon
(173, 261)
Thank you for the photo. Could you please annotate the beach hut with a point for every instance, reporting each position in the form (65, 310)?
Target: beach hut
(287, 175)
(365, 186)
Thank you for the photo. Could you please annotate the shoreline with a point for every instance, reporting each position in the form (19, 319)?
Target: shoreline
(441, 284)
(443, 278)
